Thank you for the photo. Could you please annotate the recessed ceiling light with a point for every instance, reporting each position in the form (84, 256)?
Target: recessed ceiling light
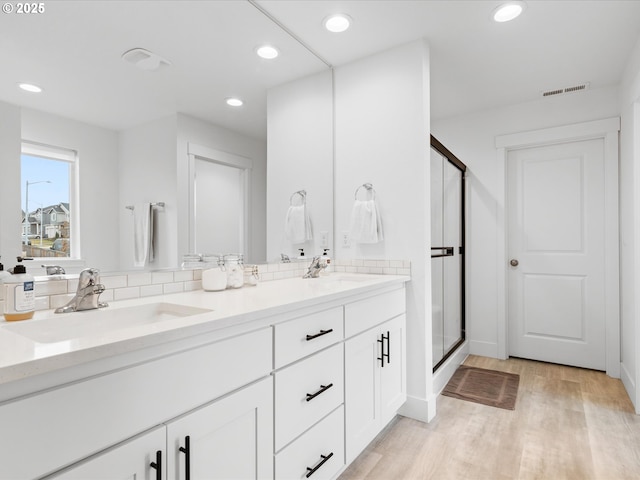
(234, 102)
(337, 23)
(30, 87)
(268, 52)
(508, 11)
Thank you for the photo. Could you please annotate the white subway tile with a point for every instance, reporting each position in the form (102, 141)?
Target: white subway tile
(266, 277)
(50, 287)
(404, 271)
(173, 287)
(109, 281)
(150, 290)
(42, 303)
(137, 279)
(193, 285)
(126, 293)
(183, 276)
(197, 274)
(106, 296)
(161, 277)
(351, 269)
(382, 263)
(56, 301)
(390, 271)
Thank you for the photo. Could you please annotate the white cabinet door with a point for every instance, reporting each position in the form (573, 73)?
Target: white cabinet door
(231, 438)
(375, 382)
(128, 460)
(393, 376)
(362, 391)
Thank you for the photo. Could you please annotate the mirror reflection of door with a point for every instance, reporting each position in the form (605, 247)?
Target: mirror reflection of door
(219, 220)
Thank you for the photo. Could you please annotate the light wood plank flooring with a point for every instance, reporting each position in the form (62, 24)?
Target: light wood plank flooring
(568, 423)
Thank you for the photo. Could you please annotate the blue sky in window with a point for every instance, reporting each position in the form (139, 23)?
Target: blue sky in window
(37, 169)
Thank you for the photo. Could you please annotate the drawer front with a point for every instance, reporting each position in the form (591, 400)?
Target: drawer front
(307, 391)
(364, 314)
(305, 335)
(320, 450)
(75, 421)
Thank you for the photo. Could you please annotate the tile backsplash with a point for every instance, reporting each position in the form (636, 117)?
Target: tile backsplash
(54, 293)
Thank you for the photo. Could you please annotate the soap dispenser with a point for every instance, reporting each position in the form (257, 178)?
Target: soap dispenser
(19, 294)
(4, 275)
(301, 256)
(327, 261)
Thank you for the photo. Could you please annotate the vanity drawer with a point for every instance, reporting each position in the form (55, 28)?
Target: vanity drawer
(307, 391)
(321, 448)
(365, 314)
(305, 335)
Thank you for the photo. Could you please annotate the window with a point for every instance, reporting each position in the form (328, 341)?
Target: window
(49, 207)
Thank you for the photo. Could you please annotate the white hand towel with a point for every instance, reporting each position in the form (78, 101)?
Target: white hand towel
(297, 227)
(142, 234)
(366, 224)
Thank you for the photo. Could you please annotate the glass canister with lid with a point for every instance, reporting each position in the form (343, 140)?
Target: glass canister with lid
(214, 277)
(234, 264)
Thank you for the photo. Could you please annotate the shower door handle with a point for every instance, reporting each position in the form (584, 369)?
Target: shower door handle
(445, 252)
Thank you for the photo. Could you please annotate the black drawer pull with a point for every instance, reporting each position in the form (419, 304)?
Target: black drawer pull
(323, 388)
(381, 358)
(187, 457)
(157, 465)
(388, 354)
(322, 332)
(324, 458)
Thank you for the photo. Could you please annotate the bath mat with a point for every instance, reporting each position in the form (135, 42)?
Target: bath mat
(487, 387)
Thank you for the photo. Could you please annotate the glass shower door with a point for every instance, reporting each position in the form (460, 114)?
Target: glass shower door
(447, 252)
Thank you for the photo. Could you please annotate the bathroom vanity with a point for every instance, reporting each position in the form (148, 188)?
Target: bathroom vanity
(289, 379)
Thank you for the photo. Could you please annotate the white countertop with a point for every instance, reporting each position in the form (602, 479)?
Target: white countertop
(51, 342)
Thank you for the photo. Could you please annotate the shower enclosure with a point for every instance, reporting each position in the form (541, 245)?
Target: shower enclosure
(447, 252)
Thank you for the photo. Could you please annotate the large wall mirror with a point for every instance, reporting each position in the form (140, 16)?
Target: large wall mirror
(131, 124)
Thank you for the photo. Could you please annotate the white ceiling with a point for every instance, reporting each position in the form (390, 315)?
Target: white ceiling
(73, 50)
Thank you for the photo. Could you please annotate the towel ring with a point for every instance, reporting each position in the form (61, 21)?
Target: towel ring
(301, 193)
(368, 187)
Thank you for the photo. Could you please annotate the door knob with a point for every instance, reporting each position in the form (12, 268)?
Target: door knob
(514, 262)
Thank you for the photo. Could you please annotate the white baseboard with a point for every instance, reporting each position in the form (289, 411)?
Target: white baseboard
(630, 385)
(483, 349)
(444, 373)
(419, 408)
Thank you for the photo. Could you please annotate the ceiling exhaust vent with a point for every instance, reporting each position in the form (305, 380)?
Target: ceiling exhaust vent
(144, 59)
(575, 88)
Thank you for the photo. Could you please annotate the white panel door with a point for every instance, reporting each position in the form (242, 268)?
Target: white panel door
(556, 253)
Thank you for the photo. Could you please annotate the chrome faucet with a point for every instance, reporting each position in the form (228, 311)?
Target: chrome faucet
(54, 269)
(89, 289)
(317, 265)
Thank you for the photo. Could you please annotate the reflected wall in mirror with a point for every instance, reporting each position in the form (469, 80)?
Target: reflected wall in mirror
(131, 127)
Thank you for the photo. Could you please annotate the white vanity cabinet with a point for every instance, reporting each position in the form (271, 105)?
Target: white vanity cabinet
(48, 431)
(375, 367)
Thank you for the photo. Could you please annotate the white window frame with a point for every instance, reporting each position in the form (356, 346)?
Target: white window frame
(41, 150)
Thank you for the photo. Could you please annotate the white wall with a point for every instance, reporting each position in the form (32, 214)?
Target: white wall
(382, 137)
(10, 215)
(148, 173)
(300, 150)
(630, 225)
(98, 173)
(192, 130)
(471, 138)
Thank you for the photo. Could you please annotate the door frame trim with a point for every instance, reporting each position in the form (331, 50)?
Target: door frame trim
(607, 129)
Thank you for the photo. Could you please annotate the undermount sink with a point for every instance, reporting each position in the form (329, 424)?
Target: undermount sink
(93, 323)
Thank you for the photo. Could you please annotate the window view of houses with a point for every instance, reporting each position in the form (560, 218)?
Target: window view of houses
(46, 213)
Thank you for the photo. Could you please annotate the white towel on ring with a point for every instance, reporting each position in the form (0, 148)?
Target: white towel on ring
(366, 223)
(297, 224)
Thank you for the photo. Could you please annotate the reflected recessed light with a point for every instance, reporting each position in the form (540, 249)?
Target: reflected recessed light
(267, 51)
(234, 102)
(508, 11)
(30, 87)
(337, 23)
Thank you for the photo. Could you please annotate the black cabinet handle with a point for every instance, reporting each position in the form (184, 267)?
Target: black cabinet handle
(381, 357)
(157, 465)
(322, 332)
(323, 459)
(323, 388)
(388, 354)
(187, 457)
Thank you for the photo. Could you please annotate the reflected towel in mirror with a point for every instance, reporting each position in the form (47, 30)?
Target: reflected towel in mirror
(142, 234)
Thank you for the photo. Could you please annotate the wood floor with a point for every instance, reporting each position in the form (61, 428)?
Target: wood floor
(568, 423)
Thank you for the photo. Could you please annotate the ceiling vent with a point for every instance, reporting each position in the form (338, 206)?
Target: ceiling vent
(575, 88)
(144, 59)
